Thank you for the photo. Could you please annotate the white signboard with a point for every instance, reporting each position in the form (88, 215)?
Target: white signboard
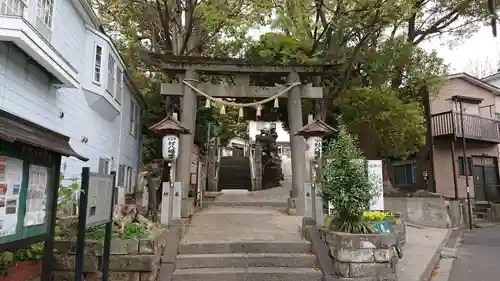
(11, 171)
(99, 199)
(36, 199)
(170, 147)
(376, 179)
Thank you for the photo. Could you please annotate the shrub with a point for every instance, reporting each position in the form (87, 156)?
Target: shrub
(345, 183)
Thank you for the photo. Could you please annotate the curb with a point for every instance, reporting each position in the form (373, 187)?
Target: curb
(452, 232)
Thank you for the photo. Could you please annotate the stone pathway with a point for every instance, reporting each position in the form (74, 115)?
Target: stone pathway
(421, 246)
(242, 224)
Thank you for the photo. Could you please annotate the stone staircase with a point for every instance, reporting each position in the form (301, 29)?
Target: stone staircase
(246, 261)
(481, 210)
(234, 173)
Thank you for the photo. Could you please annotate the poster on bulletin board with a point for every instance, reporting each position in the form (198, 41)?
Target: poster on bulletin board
(11, 176)
(36, 198)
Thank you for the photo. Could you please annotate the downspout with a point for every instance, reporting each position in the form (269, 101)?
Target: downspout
(119, 147)
(453, 140)
(139, 150)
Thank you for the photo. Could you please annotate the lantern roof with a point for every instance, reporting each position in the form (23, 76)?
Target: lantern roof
(317, 128)
(170, 125)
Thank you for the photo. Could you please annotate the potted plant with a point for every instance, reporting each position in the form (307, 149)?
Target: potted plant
(356, 246)
(345, 184)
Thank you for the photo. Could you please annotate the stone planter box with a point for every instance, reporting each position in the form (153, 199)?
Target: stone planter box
(130, 260)
(397, 225)
(363, 257)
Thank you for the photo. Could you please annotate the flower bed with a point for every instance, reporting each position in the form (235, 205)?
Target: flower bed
(362, 256)
(380, 222)
(131, 259)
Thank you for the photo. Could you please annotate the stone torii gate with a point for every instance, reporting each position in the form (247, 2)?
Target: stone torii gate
(188, 69)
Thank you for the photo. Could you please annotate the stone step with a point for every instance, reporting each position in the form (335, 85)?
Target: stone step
(299, 260)
(247, 274)
(245, 204)
(207, 247)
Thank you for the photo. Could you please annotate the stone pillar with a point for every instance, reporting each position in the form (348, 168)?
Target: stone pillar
(188, 119)
(297, 143)
(258, 166)
(211, 168)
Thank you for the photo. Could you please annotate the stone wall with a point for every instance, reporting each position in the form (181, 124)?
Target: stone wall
(364, 257)
(130, 260)
(424, 211)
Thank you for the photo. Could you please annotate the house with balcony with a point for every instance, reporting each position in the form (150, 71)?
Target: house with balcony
(463, 112)
(60, 71)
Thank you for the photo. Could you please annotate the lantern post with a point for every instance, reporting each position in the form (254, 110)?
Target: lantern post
(314, 133)
(171, 129)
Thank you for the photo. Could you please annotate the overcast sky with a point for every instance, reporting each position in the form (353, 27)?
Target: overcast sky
(480, 52)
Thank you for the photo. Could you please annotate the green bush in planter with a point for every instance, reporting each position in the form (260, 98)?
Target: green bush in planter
(345, 183)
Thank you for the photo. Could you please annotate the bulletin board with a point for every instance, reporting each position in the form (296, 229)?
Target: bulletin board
(27, 184)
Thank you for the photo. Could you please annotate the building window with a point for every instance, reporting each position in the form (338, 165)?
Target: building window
(133, 118)
(403, 174)
(461, 166)
(44, 11)
(121, 175)
(130, 188)
(497, 115)
(103, 166)
(119, 85)
(97, 63)
(11, 7)
(111, 75)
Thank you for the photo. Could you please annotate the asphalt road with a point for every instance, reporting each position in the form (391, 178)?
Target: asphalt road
(478, 256)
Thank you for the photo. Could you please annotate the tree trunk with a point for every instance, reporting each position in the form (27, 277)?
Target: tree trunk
(424, 177)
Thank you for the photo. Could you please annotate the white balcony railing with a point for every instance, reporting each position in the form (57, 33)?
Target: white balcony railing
(12, 7)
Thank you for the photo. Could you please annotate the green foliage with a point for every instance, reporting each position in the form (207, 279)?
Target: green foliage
(132, 230)
(66, 195)
(345, 183)
(394, 127)
(9, 259)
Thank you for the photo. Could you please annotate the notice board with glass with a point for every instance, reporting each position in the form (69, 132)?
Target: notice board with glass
(27, 186)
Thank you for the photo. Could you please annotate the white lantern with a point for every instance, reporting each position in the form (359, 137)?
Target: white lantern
(314, 147)
(170, 147)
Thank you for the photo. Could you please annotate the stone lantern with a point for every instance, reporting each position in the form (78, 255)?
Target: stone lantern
(171, 129)
(314, 132)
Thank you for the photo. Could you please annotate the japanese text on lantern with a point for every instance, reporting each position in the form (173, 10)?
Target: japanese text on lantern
(170, 147)
(317, 147)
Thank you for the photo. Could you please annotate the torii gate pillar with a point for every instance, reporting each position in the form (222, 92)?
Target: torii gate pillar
(297, 143)
(188, 119)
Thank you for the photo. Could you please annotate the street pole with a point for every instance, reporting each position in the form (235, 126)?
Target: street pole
(207, 162)
(466, 164)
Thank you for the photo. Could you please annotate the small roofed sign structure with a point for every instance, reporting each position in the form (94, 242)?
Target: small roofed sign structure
(317, 128)
(169, 126)
(171, 129)
(15, 129)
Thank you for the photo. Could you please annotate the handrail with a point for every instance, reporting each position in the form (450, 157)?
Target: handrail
(475, 126)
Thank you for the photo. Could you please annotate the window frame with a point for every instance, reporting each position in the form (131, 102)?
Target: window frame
(406, 167)
(16, 8)
(97, 67)
(119, 85)
(133, 118)
(39, 4)
(461, 170)
(106, 162)
(110, 87)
